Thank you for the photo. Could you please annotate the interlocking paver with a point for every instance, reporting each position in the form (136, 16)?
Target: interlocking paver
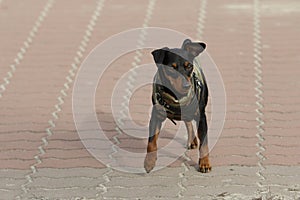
(68, 171)
(46, 46)
(15, 28)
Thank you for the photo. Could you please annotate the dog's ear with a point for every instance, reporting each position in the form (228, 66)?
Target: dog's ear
(195, 48)
(159, 55)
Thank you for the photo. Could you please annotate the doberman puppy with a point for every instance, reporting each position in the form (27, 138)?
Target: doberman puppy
(180, 92)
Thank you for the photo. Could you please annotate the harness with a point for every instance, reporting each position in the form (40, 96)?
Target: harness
(179, 109)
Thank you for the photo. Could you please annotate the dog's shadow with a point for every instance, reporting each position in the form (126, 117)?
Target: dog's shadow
(132, 144)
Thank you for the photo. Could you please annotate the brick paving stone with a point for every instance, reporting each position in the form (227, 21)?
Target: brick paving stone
(281, 86)
(231, 48)
(10, 180)
(32, 100)
(15, 28)
(45, 46)
(68, 171)
(229, 182)
(66, 119)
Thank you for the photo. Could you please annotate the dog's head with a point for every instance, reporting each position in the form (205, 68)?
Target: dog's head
(176, 65)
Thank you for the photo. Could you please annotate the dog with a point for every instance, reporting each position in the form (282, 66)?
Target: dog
(179, 93)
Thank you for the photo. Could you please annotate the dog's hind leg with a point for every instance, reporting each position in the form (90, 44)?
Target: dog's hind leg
(157, 117)
(204, 164)
(192, 139)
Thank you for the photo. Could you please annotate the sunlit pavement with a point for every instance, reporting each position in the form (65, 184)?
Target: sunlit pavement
(255, 45)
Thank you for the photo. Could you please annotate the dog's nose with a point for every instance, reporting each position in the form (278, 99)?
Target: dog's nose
(186, 86)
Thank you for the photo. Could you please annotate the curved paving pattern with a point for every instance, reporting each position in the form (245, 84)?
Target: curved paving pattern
(255, 45)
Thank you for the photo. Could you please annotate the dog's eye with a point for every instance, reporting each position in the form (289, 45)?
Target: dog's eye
(188, 66)
(174, 65)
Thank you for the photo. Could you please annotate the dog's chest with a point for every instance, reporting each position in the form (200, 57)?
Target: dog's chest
(185, 111)
(185, 108)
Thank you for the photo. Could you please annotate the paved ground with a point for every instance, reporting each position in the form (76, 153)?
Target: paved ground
(255, 45)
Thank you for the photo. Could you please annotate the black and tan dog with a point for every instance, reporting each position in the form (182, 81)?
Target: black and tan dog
(179, 93)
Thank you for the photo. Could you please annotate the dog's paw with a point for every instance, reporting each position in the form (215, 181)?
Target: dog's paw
(204, 165)
(150, 161)
(193, 144)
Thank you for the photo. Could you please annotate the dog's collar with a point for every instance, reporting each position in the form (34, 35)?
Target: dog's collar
(168, 100)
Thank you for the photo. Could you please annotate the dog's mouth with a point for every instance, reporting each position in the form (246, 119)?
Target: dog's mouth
(181, 90)
(181, 86)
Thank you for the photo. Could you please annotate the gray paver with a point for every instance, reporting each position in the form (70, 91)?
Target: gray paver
(231, 182)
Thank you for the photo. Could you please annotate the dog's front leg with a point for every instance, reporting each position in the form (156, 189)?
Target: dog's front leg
(157, 117)
(204, 164)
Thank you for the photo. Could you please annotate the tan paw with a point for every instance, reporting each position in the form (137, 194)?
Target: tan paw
(204, 165)
(150, 161)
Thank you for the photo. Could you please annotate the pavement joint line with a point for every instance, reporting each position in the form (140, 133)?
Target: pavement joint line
(201, 19)
(132, 76)
(64, 93)
(130, 84)
(257, 45)
(102, 186)
(26, 45)
(182, 179)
